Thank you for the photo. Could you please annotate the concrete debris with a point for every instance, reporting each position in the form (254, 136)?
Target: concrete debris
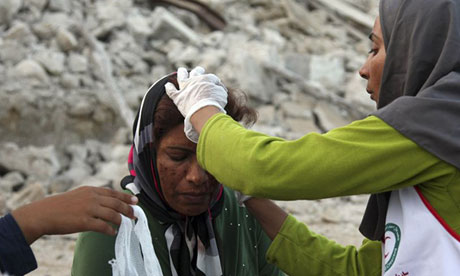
(77, 71)
(72, 74)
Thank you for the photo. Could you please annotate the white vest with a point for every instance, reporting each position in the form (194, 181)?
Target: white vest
(417, 240)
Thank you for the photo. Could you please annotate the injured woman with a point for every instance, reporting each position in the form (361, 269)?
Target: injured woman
(197, 225)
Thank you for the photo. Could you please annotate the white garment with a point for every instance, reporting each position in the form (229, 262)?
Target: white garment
(134, 253)
(417, 241)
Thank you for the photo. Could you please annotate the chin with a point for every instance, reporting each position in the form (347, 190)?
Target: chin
(193, 211)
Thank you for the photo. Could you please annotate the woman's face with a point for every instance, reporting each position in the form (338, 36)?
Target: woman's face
(187, 188)
(373, 68)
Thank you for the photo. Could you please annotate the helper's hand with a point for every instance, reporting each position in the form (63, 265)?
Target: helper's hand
(196, 90)
(82, 209)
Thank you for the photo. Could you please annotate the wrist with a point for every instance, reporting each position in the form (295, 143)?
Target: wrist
(28, 223)
(200, 117)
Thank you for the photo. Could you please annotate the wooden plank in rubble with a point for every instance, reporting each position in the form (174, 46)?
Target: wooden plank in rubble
(212, 18)
(348, 12)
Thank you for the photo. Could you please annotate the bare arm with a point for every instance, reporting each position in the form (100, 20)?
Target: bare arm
(268, 214)
(82, 209)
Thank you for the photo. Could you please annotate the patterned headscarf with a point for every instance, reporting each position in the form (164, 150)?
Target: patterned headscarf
(190, 240)
(420, 89)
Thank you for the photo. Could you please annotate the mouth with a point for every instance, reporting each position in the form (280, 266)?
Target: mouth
(371, 93)
(195, 198)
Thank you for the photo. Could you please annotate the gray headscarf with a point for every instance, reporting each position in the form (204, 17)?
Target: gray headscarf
(420, 89)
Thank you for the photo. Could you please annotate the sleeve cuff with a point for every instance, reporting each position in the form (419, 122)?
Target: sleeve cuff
(16, 256)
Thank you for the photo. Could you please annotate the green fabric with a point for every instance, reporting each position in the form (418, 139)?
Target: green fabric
(241, 242)
(365, 157)
(287, 251)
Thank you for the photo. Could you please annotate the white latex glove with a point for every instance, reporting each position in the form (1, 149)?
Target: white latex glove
(196, 90)
(241, 197)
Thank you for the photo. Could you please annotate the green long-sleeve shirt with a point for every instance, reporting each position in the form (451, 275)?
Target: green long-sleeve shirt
(367, 156)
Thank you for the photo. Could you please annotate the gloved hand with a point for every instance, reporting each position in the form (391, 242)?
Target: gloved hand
(241, 197)
(196, 90)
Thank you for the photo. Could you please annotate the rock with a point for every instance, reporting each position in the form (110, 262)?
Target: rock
(122, 136)
(66, 40)
(134, 62)
(32, 192)
(73, 177)
(78, 153)
(120, 153)
(2, 204)
(12, 52)
(157, 72)
(274, 38)
(52, 61)
(42, 163)
(53, 21)
(77, 63)
(299, 16)
(102, 114)
(167, 26)
(155, 58)
(182, 53)
(245, 69)
(298, 63)
(267, 115)
(212, 59)
(81, 108)
(329, 116)
(60, 5)
(11, 181)
(299, 110)
(111, 10)
(139, 26)
(300, 127)
(31, 69)
(44, 30)
(69, 81)
(20, 32)
(36, 4)
(277, 131)
(8, 9)
(328, 70)
(112, 171)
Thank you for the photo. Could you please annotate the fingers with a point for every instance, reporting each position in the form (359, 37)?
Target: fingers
(108, 214)
(127, 198)
(170, 89)
(98, 225)
(197, 71)
(182, 74)
(118, 202)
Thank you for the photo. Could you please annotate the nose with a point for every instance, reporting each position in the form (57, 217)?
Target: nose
(195, 174)
(364, 71)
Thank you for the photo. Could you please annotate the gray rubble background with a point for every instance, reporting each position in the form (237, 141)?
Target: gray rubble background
(72, 74)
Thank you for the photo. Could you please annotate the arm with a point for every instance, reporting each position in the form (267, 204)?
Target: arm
(82, 209)
(297, 250)
(367, 156)
(268, 214)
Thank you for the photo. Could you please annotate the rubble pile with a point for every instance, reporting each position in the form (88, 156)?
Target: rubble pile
(72, 74)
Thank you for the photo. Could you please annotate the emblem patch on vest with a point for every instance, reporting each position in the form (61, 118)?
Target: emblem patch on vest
(392, 240)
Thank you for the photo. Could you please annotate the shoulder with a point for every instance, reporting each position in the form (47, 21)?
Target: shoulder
(93, 251)
(235, 218)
